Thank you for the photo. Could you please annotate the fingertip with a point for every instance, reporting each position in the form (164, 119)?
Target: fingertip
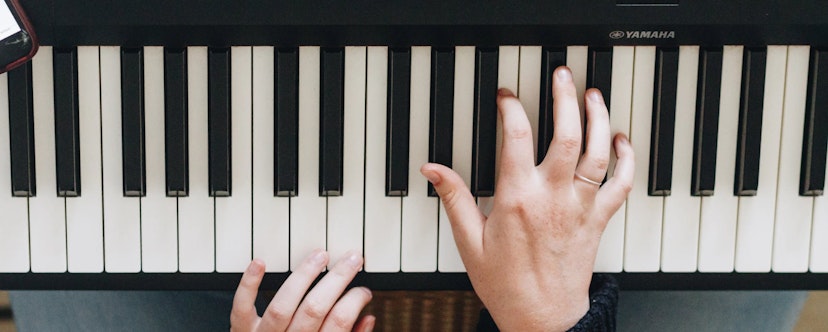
(256, 266)
(563, 73)
(431, 172)
(505, 92)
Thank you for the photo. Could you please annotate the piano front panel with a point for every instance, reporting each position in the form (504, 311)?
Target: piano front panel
(246, 193)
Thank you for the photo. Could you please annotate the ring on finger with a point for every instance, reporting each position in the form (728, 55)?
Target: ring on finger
(587, 180)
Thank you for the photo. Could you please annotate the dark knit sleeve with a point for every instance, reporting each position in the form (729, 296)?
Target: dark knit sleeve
(603, 304)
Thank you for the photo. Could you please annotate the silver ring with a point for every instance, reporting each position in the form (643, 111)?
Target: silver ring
(585, 179)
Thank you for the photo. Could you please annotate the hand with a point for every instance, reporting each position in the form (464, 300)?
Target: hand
(322, 308)
(530, 260)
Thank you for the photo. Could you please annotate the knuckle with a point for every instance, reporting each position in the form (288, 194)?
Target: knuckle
(601, 163)
(278, 313)
(520, 133)
(570, 143)
(314, 310)
(340, 320)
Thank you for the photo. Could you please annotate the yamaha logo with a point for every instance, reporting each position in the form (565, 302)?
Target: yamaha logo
(643, 34)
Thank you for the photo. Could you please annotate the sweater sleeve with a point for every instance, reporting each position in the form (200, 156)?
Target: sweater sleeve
(603, 304)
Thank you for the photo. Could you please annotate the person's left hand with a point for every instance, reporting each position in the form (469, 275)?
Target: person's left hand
(321, 309)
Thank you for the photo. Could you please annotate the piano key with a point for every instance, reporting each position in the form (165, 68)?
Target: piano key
(14, 240)
(84, 218)
(196, 230)
(680, 234)
(442, 109)
(399, 103)
(382, 214)
(610, 256)
(793, 212)
(66, 122)
(577, 58)
(815, 142)
(159, 237)
(132, 115)
(219, 80)
(47, 218)
(175, 121)
(286, 121)
(331, 121)
(717, 226)
(271, 215)
(529, 87)
(21, 132)
(643, 232)
(122, 223)
(345, 227)
(234, 220)
(448, 258)
(819, 240)
(599, 71)
(308, 209)
(707, 121)
(419, 211)
(485, 122)
(551, 58)
(664, 122)
(750, 122)
(754, 231)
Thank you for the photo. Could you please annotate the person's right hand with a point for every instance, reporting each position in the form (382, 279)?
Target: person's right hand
(293, 308)
(530, 260)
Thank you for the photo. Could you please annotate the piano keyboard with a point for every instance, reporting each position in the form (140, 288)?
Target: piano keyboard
(196, 159)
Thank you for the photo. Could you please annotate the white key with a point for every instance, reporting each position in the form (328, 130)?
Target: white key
(271, 215)
(577, 58)
(234, 219)
(382, 214)
(680, 236)
(610, 256)
(14, 226)
(122, 230)
(159, 229)
(419, 212)
(346, 211)
(448, 258)
(529, 88)
(792, 232)
(84, 214)
(643, 234)
(196, 246)
(754, 236)
(717, 226)
(47, 218)
(819, 240)
(308, 209)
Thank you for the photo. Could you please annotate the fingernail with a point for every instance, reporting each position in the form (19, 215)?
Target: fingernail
(255, 266)
(432, 176)
(564, 74)
(624, 139)
(504, 92)
(367, 291)
(353, 260)
(318, 257)
(596, 96)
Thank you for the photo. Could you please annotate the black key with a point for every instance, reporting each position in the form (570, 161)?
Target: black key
(599, 72)
(664, 122)
(397, 121)
(67, 139)
(441, 119)
(218, 79)
(175, 122)
(708, 94)
(21, 132)
(485, 122)
(286, 91)
(750, 122)
(331, 121)
(550, 59)
(132, 122)
(815, 142)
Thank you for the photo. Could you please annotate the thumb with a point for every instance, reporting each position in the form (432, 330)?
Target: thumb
(466, 219)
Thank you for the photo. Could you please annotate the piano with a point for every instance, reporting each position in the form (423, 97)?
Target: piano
(163, 144)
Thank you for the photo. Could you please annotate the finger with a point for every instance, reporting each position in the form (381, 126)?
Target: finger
(616, 189)
(466, 219)
(594, 162)
(243, 315)
(346, 311)
(366, 324)
(323, 296)
(517, 152)
(281, 309)
(565, 148)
